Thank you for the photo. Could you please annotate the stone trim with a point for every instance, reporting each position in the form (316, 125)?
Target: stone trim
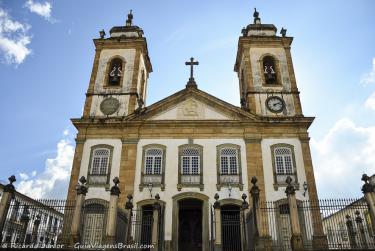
(219, 185)
(163, 163)
(205, 217)
(93, 148)
(107, 71)
(277, 70)
(230, 201)
(180, 149)
(129, 141)
(252, 140)
(276, 185)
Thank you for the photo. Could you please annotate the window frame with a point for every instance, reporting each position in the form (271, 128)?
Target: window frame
(293, 174)
(109, 165)
(220, 184)
(181, 148)
(162, 168)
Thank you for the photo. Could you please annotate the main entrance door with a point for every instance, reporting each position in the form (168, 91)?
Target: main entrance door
(190, 225)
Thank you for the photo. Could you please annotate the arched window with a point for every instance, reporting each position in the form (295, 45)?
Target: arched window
(190, 161)
(283, 160)
(190, 165)
(100, 165)
(284, 164)
(153, 161)
(269, 68)
(153, 166)
(228, 161)
(228, 165)
(100, 160)
(115, 72)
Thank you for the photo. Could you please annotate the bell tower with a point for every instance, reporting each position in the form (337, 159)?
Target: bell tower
(118, 82)
(265, 71)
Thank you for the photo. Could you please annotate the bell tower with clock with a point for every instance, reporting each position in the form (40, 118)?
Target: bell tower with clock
(118, 83)
(265, 71)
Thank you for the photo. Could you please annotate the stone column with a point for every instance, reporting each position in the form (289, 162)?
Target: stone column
(361, 230)
(8, 194)
(110, 232)
(217, 208)
(261, 238)
(244, 211)
(296, 240)
(155, 224)
(34, 238)
(369, 193)
(319, 238)
(25, 218)
(76, 221)
(129, 207)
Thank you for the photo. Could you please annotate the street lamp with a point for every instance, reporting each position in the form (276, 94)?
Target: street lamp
(150, 189)
(304, 188)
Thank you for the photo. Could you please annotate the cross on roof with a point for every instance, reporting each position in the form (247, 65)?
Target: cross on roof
(191, 81)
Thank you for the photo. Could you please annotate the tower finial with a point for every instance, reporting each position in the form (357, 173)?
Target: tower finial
(129, 21)
(256, 16)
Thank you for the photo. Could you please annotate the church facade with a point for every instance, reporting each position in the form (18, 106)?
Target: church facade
(185, 149)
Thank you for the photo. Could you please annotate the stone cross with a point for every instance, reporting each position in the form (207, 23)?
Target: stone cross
(192, 63)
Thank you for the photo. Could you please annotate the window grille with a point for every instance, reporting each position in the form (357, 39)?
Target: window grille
(190, 161)
(153, 161)
(228, 161)
(100, 161)
(283, 160)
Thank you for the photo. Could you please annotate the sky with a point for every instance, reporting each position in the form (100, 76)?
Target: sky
(46, 57)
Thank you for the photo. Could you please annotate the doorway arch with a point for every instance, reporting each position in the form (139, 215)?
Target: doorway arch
(195, 200)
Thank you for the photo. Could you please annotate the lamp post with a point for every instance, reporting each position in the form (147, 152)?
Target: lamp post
(304, 188)
(150, 189)
(230, 187)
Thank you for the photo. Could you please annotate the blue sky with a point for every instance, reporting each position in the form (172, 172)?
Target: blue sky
(46, 56)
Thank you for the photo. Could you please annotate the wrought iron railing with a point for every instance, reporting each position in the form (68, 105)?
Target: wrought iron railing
(339, 223)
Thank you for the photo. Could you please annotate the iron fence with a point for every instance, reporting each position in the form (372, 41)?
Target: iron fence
(38, 222)
(343, 223)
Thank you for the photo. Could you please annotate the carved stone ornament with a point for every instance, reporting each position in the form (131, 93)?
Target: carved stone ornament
(109, 106)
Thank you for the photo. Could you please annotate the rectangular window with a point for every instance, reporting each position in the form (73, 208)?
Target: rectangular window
(157, 165)
(224, 165)
(288, 165)
(233, 164)
(148, 165)
(190, 165)
(279, 165)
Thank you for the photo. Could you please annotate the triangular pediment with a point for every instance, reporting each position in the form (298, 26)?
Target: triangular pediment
(192, 104)
(191, 109)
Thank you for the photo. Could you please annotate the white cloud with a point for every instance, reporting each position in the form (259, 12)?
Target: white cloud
(41, 9)
(341, 157)
(13, 39)
(370, 102)
(369, 77)
(54, 179)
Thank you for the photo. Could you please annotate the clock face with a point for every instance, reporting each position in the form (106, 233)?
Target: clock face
(275, 104)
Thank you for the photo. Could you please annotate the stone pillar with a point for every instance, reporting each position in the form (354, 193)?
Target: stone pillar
(244, 211)
(76, 221)
(8, 194)
(110, 232)
(261, 238)
(129, 207)
(369, 193)
(25, 218)
(319, 238)
(361, 230)
(155, 224)
(34, 238)
(296, 241)
(217, 208)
